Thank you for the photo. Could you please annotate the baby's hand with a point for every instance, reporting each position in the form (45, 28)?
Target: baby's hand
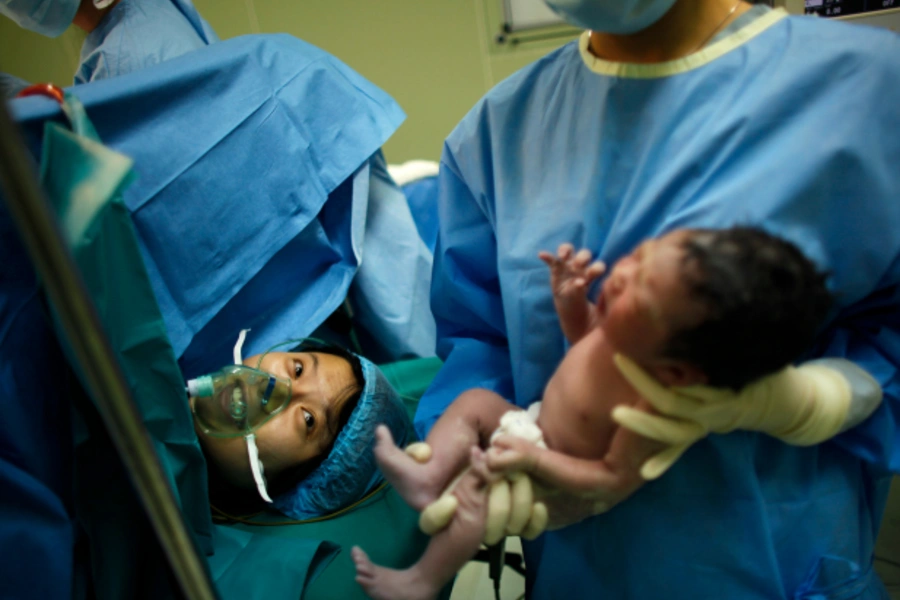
(510, 454)
(570, 275)
(571, 272)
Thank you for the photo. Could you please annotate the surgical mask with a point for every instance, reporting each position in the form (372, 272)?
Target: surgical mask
(47, 17)
(611, 16)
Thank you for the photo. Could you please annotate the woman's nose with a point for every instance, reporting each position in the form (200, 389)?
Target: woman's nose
(299, 391)
(305, 389)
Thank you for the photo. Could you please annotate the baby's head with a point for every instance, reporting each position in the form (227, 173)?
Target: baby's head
(721, 307)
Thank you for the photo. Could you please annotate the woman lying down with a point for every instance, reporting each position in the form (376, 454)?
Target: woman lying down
(295, 429)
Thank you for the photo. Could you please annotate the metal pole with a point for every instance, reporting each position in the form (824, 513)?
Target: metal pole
(77, 315)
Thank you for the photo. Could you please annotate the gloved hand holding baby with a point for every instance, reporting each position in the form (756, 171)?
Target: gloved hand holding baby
(801, 405)
(615, 425)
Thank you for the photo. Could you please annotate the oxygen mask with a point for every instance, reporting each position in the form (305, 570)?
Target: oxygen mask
(236, 400)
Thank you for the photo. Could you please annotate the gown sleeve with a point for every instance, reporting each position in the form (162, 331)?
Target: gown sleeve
(868, 334)
(466, 301)
(860, 235)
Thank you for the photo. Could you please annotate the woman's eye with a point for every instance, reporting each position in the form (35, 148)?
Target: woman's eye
(310, 420)
(298, 368)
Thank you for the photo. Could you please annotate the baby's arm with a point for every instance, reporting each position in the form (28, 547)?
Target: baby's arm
(570, 275)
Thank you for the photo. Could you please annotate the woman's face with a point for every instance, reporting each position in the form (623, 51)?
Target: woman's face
(321, 385)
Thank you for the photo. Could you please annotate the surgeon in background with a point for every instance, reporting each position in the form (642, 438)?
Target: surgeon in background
(689, 113)
(123, 35)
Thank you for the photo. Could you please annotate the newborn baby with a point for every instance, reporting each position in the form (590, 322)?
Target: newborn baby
(672, 306)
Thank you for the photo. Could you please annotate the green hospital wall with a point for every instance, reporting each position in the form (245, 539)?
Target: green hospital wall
(435, 57)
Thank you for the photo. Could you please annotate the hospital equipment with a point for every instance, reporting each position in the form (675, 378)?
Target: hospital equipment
(47, 17)
(843, 8)
(236, 400)
(634, 150)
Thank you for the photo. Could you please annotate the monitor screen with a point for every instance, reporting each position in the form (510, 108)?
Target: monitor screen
(840, 8)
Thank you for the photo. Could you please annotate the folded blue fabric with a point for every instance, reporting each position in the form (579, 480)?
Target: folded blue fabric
(237, 147)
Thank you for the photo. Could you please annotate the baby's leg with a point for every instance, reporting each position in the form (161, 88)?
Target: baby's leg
(467, 422)
(447, 552)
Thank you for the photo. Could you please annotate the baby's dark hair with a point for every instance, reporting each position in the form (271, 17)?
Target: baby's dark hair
(764, 302)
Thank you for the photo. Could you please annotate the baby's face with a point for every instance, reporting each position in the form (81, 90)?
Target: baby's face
(321, 384)
(643, 300)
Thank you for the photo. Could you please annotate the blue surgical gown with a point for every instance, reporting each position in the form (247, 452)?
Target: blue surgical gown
(139, 33)
(789, 123)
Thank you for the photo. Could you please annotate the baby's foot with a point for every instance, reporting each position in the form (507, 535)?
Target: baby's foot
(389, 584)
(412, 480)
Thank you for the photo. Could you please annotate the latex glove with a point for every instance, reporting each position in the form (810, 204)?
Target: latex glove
(513, 511)
(511, 506)
(801, 405)
(574, 488)
(419, 451)
(436, 515)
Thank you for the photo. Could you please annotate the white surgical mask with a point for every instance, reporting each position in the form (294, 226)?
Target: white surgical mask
(611, 16)
(47, 17)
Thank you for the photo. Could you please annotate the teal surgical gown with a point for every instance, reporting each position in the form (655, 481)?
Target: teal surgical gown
(139, 33)
(790, 123)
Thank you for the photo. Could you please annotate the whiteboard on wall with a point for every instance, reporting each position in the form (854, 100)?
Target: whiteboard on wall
(528, 14)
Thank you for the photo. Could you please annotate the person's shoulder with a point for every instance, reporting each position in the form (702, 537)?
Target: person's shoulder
(515, 94)
(843, 41)
(832, 62)
(524, 81)
(846, 29)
